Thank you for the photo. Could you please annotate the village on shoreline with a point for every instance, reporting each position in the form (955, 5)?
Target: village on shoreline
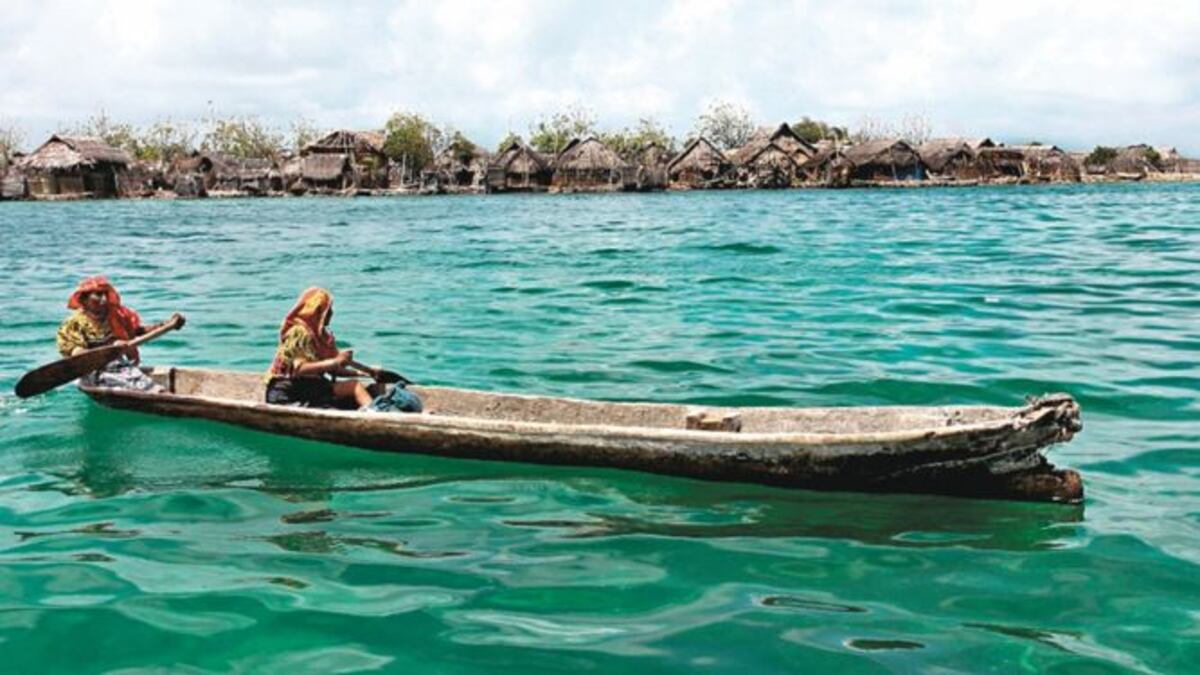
(346, 162)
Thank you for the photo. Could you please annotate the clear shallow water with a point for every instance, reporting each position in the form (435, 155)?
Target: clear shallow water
(130, 541)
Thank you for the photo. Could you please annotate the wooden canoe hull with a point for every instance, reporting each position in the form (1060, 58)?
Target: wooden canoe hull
(996, 458)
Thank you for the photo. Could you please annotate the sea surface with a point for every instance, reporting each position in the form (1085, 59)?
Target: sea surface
(130, 542)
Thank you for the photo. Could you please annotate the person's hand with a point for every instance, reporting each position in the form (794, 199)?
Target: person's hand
(344, 357)
(180, 318)
(126, 348)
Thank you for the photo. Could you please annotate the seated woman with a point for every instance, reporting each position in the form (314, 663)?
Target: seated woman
(101, 320)
(308, 360)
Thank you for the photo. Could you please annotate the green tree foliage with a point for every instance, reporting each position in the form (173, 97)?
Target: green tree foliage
(11, 140)
(812, 130)
(243, 137)
(727, 125)
(117, 134)
(551, 134)
(165, 140)
(509, 140)
(411, 141)
(461, 146)
(629, 141)
(1100, 156)
(304, 132)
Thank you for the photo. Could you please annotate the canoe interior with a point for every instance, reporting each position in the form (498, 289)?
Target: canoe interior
(446, 401)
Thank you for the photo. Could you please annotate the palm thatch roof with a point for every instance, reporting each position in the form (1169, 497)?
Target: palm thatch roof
(453, 159)
(875, 150)
(588, 155)
(68, 152)
(345, 141)
(1038, 151)
(324, 166)
(938, 152)
(521, 158)
(699, 155)
(782, 136)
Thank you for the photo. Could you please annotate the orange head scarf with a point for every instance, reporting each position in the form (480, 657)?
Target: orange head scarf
(123, 321)
(312, 312)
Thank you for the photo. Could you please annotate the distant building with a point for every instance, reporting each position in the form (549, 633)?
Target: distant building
(519, 168)
(885, 160)
(590, 166)
(363, 151)
(79, 166)
(699, 165)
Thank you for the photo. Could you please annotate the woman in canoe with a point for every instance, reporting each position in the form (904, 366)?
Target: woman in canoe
(101, 320)
(307, 363)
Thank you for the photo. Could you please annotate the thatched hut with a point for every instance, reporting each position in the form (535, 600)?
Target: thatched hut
(885, 160)
(587, 165)
(1048, 163)
(1000, 163)
(219, 172)
(144, 179)
(1169, 159)
(457, 169)
(782, 136)
(519, 168)
(1136, 160)
(828, 168)
(949, 159)
(699, 165)
(323, 172)
(770, 167)
(78, 166)
(364, 150)
(650, 167)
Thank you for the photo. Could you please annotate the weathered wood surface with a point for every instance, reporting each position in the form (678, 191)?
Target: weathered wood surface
(977, 451)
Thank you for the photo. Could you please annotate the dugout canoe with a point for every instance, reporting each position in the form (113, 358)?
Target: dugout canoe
(970, 451)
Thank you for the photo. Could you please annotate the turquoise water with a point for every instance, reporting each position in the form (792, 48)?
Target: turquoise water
(129, 541)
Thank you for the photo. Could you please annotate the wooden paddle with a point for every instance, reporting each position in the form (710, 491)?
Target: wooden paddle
(62, 371)
(385, 376)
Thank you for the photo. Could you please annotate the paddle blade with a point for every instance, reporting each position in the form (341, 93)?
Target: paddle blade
(58, 373)
(392, 377)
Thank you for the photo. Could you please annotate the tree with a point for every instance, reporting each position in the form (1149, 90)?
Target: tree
(461, 146)
(304, 132)
(165, 140)
(11, 140)
(1100, 156)
(509, 140)
(117, 134)
(243, 137)
(725, 124)
(410, 140)
(551, 134)
(912, 128)
(628, 142)
(815, 130)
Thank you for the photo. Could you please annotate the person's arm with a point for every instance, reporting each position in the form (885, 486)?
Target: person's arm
(333, 365)
(142, 330)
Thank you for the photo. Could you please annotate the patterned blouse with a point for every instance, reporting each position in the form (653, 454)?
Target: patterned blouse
(82, 331)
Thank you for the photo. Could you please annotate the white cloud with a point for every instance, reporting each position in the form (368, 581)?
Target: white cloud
(1075, 73)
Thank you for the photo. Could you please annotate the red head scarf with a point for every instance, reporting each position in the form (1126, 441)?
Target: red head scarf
(312, 312)
(123, 321)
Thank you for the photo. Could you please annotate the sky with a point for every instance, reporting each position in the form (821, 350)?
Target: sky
(1077, 74)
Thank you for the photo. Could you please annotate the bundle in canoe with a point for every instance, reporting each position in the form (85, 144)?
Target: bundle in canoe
(973, 451)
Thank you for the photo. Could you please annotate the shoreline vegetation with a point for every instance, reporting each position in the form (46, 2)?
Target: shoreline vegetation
(565, 153)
